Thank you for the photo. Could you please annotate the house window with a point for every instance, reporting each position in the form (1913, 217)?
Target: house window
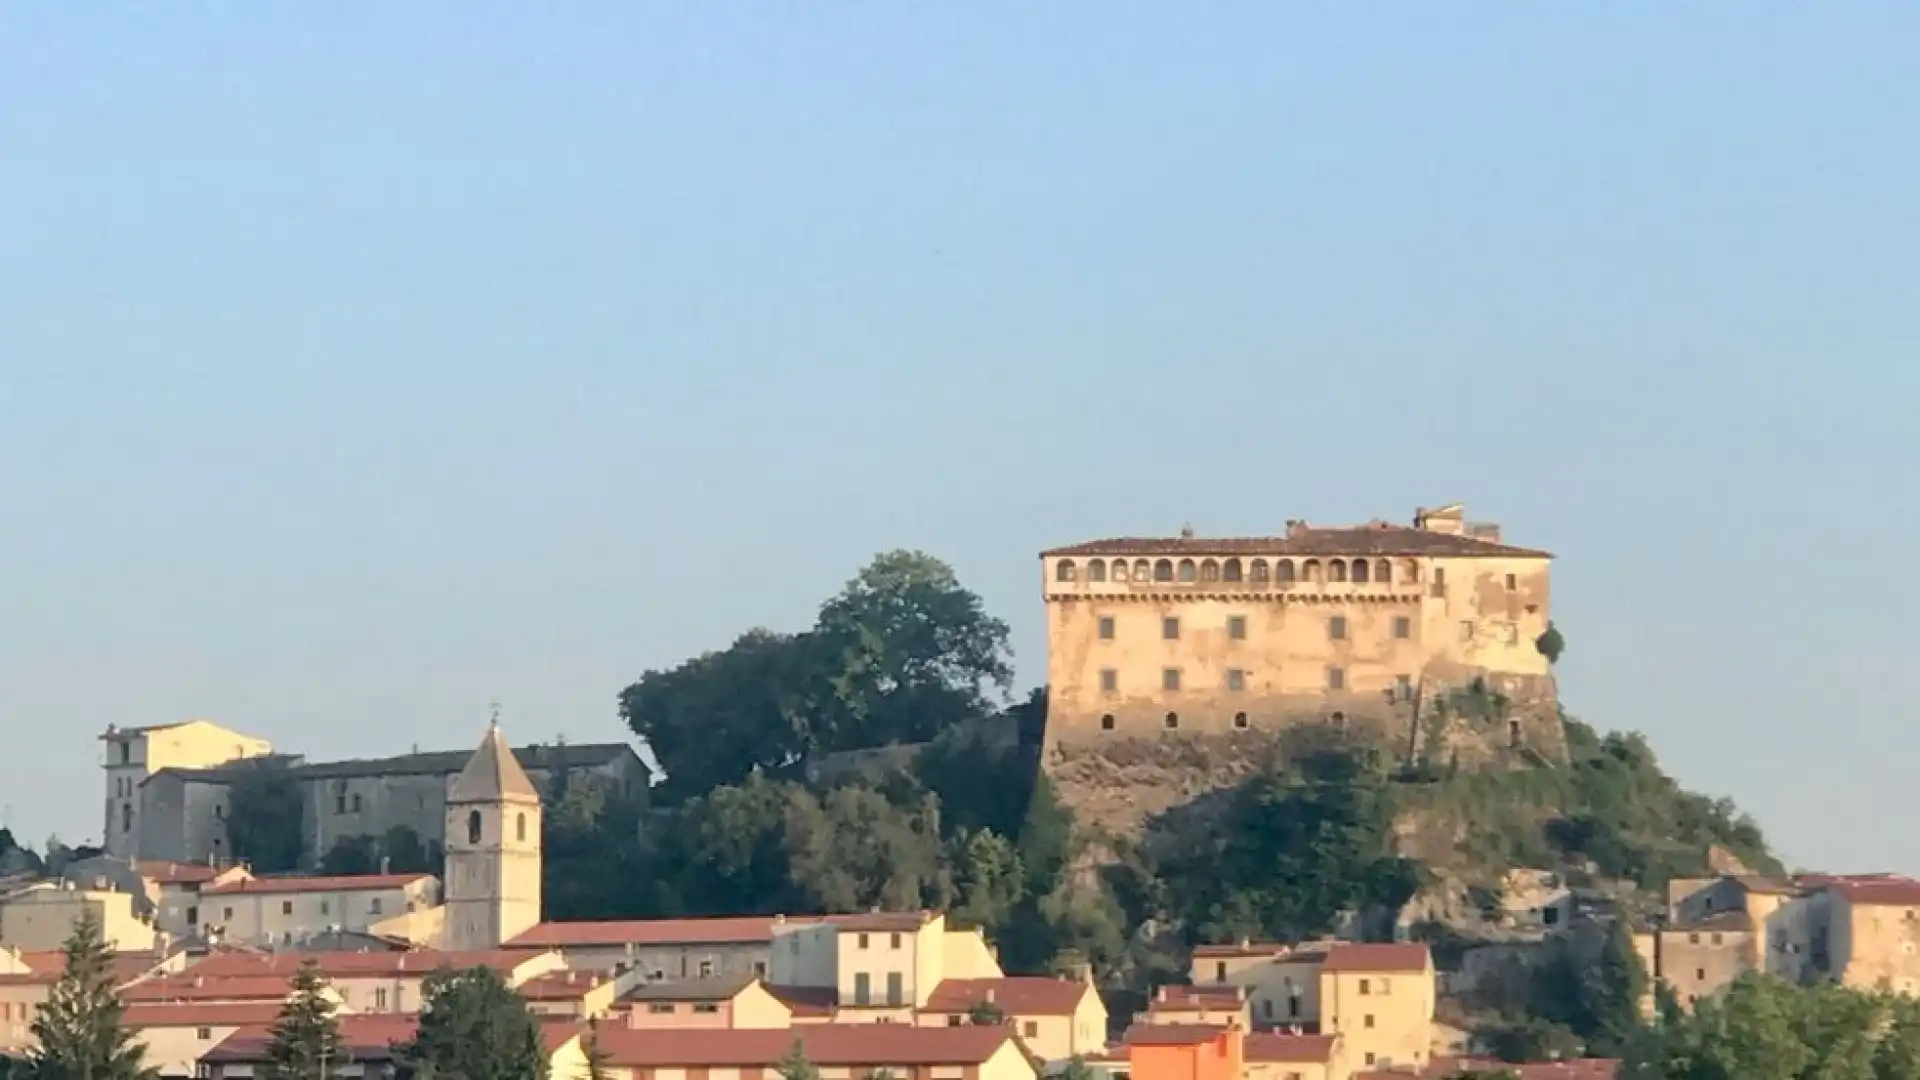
(895, 943)
(1512, 583)
(862, 941)
(380, 998)
(1368, 1021)
(356, 802)
(1693, 939)
(1240, 720)
(203, 1034)
(1219, 971)
(759, 969)
(1237, 627)
(286, 907)
(1402, 627)
(373, 906)
(1403, 687)
(1366, 987)
(520, 828)
(1386, 987)
(1716, 939)
(1031, 1029)
(226, 913)
(1370, 1057)
(1336, 678)
(1700, 974)
(706, 969)
(1466, 630)
(955, 1021)
(1109, 680)
(1173, 720)
(707, 1007)
(862, 989)
(661, 1008)
(1170, 628)
(1170, 679)
(896, 992)
(193, 916)
(325, 908)
(1236, 680)
(1337, 628)
(1106, 628)
(1106, 721)
(1163, 570)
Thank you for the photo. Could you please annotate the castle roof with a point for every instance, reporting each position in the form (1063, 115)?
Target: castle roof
(1377, 539)
(492, 773)
(449, 762)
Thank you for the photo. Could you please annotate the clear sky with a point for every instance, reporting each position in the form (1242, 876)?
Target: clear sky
(360, 364)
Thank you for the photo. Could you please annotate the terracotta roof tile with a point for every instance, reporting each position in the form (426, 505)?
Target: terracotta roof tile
(1014, 995)
(1198, 997)
(725, 930)
(563, 985)
(807, 1001)
(176, 873)
(882, 921)
(1242, 950)
(345, 965)
(1345, 540)
(220, 1015)
(1275, 1047)
(1347, 956)
(829, 1045)
(1172, 1034)
(315, 884)
(724, 988)
(191, 988)
(367, 1037)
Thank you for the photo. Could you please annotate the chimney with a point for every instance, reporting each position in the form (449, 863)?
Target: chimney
(386, 865)
(990, 994)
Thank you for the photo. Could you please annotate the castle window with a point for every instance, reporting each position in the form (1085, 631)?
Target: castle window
(1106, 628)
(1170, 678)
(1259, 570)
(340, 802)
(1383, 571)
(1097, 570)
(1106, 722)
(520, 827)
(1109, 681)
(126, 817)
(1236, 680)
(1170, 628)
(473, 826)
(1337, 628)
(1403, 687)
(1309, 571)
(1063, 571)
(1209, 571)
(1141, 571)
(1336, 570)
(1237, 627)
(1240, 720)
(1163, 570)
(1361, 572)
(1230, 570)
(1119, 569)
(1410, 571)
(1172, 721)
(1512, 583)
(356, 802)
(1513, 634)
(1402, 627)
(1513, 734)
(1466, 630)
(1336, 678)
(1187, 570)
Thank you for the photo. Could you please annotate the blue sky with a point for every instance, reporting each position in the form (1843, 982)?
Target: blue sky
(361, 365)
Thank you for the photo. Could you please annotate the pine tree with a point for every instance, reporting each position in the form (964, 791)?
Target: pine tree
(795, 1065)
(474, 1027)
(306, 1038)
(78, 1030)
(597, 1060)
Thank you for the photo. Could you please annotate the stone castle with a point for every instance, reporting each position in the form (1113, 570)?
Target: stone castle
(1426, 637)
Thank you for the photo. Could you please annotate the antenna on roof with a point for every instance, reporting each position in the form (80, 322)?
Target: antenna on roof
(493, 707)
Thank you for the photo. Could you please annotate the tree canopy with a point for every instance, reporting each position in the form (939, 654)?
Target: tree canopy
(306, 1037)
(1762, 1028)
(78, 1032)
(474, 1027)
(264, 814)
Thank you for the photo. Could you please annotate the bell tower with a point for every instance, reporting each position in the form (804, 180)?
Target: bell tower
(493, 849)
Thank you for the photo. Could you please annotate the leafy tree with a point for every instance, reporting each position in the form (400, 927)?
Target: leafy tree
(795, 1066)
(1077, 1069)
(986, 1014)
(264, 813)
(473, 1027)
(853, 850)
(306, 1038)
(352, 855)
(991, 880)
(1551, 643)
(78, 1031)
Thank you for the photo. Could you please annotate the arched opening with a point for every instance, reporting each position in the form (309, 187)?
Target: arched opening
(1187, 571)
(1210, 571)
(1513, 733)
(1106, 722)
(473, 826)
(1140, 570)
(1361, 571)
(1240, 720)
(1173, 720)
(1383, 572)
(1063, 570)
(1258, 570)
(1310, 571)
(520, 827)
(1119, 569)
(1283, 571)
(1230, 570)
(1410, 571)
(1163, 570)
(1340, 719)
(1336, 570)
(1097, 570)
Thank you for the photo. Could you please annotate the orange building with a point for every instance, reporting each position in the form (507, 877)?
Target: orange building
(1184, 1052)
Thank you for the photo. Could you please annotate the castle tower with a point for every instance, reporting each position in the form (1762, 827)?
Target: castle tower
(493, 849)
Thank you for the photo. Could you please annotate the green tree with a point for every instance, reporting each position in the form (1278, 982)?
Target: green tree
(1077, 1069)
(78, 1033)
(991, 880)
(306, 1037)
(853, 849)
(597, 1059)
(473, 1027)
(264, 814)
(1551, 643)
(352, 855)
(986, 1014)
(795, 1066)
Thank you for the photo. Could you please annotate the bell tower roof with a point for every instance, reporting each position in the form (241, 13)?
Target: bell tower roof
(492, 774)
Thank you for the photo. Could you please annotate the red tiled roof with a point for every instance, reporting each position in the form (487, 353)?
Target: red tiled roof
(830, 1045)
(1239, 951)
(190, 988)
(346, 965)
(1271, 1046)
(883, 921)
(1197, 997)
(1018, 995)
(1347, 956)
(221, 1015)
(1172, 1034)
(562, 985)
(367, 1037)
(727, 930)
(32, 978)
(335, 883)
(1378, 539)
(176, 873)
(1884, 893)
